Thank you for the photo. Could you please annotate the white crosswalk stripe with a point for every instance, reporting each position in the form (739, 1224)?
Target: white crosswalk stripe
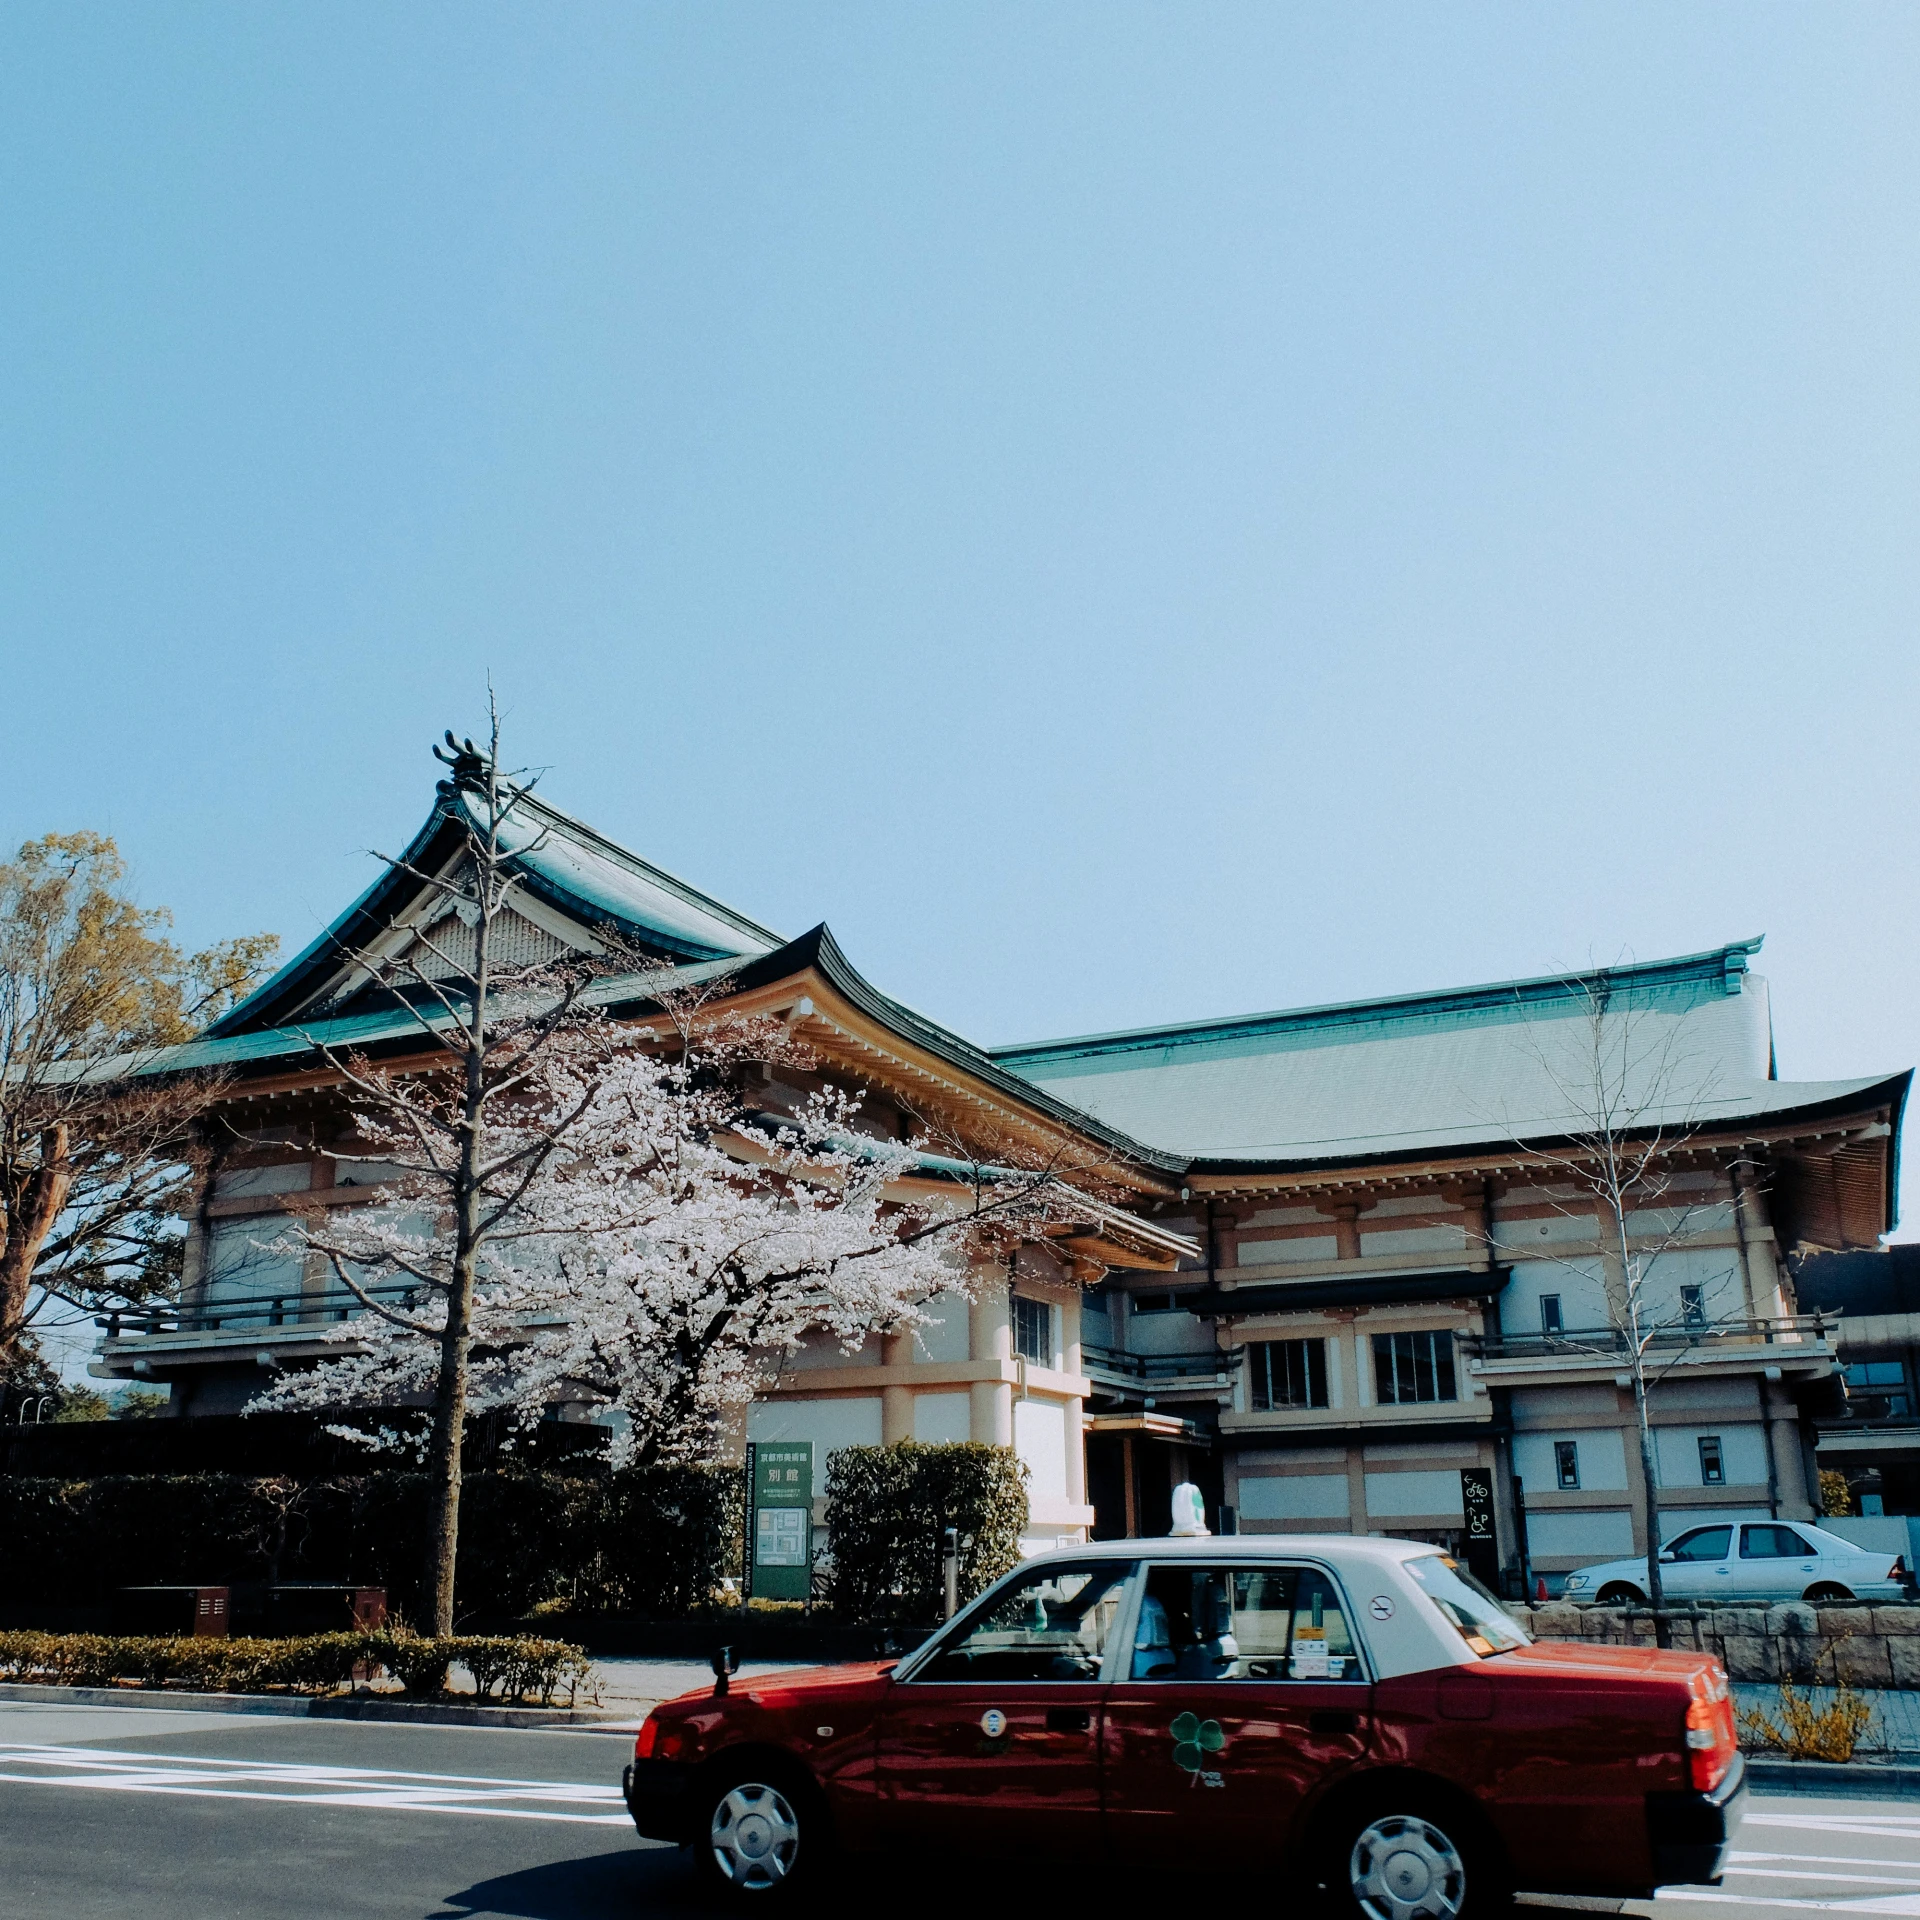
(91, 1769)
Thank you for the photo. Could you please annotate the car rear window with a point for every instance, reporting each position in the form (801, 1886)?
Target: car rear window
(1480, 1620)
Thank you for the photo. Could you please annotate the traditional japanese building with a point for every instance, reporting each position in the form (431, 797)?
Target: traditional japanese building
(1339, 1272)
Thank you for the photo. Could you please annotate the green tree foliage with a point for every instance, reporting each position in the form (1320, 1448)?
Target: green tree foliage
(887, 1512)
(96, 1156)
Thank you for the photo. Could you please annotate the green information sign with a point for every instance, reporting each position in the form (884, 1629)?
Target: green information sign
(780, 1537)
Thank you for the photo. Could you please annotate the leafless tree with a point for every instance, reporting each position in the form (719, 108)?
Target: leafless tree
(1629, 1089)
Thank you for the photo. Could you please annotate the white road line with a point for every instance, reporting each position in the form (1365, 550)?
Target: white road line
(196, 1777)
(1899, 1903)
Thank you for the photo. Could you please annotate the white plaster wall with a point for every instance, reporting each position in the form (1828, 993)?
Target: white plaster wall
(1583, 1297)
(828, 1424)
(1743, 1455)
(1603, 1460)
(944, 1336)
(1603, 1534)
(1393, 1496)
(1293, 1496)
(1312, 1246)
(1406, 1240)
(942, 1418)
(1040, 1439)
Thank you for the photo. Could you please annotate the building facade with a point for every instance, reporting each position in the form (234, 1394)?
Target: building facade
(1339, 1259)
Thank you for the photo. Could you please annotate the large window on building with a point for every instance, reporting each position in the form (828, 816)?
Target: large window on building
(1877, 1390)
(1286, 1373)
(1409, 1368)
(1033, 1330)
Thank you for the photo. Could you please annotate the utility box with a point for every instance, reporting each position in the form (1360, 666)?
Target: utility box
(197, 1612)
(311, 1606)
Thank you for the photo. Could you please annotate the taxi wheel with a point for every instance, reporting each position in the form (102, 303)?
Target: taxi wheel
(1418, 1862)
(755, 1834)
(1622, 1595)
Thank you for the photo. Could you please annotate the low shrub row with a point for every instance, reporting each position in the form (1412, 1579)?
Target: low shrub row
(515, 1669)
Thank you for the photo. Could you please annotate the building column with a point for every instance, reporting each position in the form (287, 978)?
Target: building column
(1356, 1488)
(896, 1402)
(1076, 1456)
(1787, 1446)
(990, 1337)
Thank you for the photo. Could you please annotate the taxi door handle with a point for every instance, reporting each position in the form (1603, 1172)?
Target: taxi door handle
(1068, 1720)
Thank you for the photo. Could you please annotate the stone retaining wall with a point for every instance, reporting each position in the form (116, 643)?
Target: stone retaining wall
(1865, 1646)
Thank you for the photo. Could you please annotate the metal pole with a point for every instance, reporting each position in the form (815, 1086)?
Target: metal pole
(950, 1555)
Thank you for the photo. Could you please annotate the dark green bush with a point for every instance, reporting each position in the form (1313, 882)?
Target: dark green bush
(652, 1541)
(887, 1509)
(517, 1668)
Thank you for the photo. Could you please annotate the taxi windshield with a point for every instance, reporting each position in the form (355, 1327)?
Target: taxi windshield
(1483, 1623)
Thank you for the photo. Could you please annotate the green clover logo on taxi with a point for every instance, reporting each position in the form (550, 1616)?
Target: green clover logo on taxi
(1194, 1740)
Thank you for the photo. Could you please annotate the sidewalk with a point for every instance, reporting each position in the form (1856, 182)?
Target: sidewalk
(638, 1685)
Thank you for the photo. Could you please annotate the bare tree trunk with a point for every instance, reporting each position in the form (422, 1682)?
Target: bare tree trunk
(450, 1389)
(1656, 1587)
(24, 1233)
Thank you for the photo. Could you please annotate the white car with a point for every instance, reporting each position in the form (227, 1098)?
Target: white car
(1750, 1560)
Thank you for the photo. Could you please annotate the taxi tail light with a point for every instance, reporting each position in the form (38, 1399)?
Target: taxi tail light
(1710, 1734)
(649, 1738)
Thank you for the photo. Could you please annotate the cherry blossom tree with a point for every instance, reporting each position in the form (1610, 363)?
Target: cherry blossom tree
(568, 1207)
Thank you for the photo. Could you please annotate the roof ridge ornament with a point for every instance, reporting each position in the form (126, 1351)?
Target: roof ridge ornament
(470, 764)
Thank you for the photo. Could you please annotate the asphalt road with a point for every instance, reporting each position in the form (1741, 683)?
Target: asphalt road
(192, 1816)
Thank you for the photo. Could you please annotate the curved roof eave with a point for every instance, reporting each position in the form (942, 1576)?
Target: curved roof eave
(1854, 1095)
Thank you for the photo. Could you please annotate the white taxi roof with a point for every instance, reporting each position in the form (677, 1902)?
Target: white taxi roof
(1401, 1624)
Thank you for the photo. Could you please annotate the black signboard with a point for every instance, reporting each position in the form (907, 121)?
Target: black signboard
(1482, 1548)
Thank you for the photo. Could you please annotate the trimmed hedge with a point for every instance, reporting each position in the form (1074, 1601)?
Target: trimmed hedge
(513, 1669)
(887, 1508)
(653, 1541)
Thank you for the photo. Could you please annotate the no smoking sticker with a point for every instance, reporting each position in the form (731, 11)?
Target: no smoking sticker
(1380, 1607)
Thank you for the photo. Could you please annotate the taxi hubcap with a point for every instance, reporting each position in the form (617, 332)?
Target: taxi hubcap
(754, 1836)
(1407, 1869)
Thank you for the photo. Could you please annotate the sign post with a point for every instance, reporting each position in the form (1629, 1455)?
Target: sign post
(780, 1524)
(1483, 1549)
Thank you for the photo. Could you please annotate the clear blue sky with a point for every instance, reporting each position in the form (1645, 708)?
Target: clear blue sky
(1128, 514)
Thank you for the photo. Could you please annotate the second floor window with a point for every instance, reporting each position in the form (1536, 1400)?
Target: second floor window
(1287, 1373)
(1550, 1321)
(1033, 1330)
(1409, 1368)
(1693, 1306)
(1877, 1390)
(1566, 1463)
(1713, 1466)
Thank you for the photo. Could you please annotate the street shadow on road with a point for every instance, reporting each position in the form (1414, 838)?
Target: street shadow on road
(604, 1886)
(662, 1881)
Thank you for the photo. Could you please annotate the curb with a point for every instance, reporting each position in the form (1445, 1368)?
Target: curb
(1853, 1779)
(321, 1707)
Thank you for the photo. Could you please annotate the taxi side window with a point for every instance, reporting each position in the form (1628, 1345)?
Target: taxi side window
(1710, 1543)
(1241, 1623)
(1771, 1543)
(1054, 1625)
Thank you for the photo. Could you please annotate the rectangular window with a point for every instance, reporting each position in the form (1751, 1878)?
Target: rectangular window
(1877, 1390)
(1287, 1373)
(1157, 1302)
(1550, 1321)
(1693, 1306)
(1033, 1330)
(1410, 1368)
(1713, 1467)
(1566, 1463)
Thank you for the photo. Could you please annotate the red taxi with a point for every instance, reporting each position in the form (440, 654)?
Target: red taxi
(1360, 1712)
